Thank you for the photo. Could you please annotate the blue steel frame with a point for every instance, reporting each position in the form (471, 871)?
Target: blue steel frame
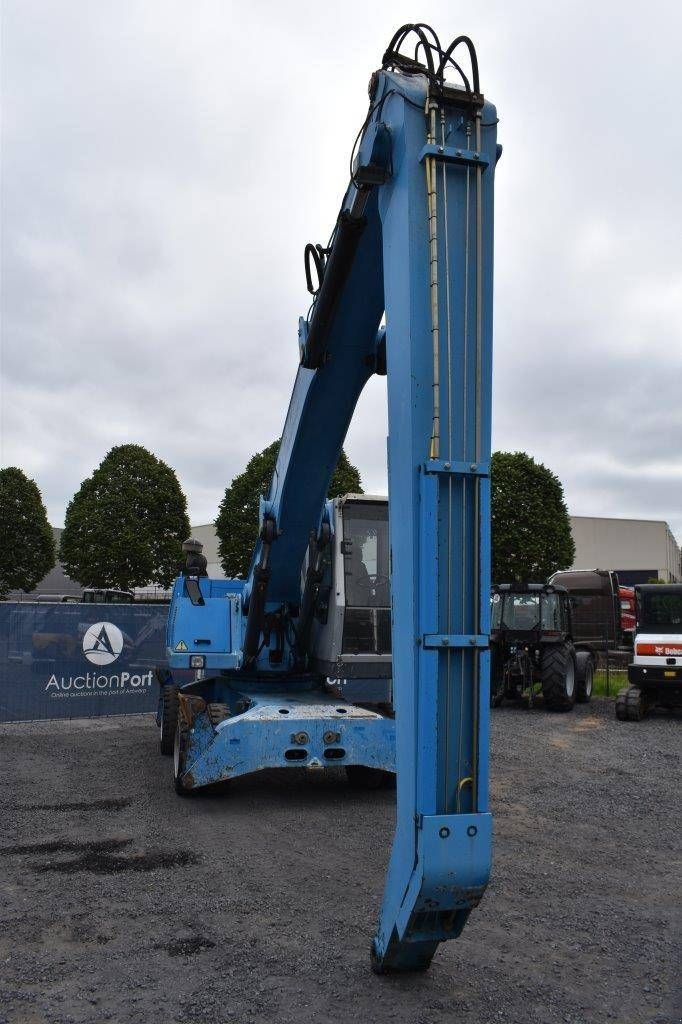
(440, 862)
(424, 258)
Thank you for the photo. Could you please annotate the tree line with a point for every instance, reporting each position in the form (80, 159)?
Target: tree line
(125, 525)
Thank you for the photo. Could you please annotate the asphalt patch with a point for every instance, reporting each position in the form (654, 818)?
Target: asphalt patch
(66, 846)
(99, 862)
(188, 946)
(109, 804)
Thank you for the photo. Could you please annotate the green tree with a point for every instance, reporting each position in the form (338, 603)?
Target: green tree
(27, 551)
(531, 528)
(237, 523)
(125, 525)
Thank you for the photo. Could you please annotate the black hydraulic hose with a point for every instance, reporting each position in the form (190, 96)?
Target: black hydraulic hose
(313, 578)
(255, 617)
(398, 39)
(305, 624)
(348, 232)
(429, 46)
(256, 614)
(472, 56)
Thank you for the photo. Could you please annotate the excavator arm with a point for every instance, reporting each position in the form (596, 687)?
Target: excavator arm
(412, 249)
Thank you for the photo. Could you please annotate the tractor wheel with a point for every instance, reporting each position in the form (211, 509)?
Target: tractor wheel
(630, 705)
(557, 673)
(361, 777)
(180, 758)
(169, 719)
(584, 676)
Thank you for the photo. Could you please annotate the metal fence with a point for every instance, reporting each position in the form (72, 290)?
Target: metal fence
(79, 660)
(612, 668)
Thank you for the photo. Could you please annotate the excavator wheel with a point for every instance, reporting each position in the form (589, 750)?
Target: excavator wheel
(630, 706)
(361, 777)
(169, 719)
(558, 677)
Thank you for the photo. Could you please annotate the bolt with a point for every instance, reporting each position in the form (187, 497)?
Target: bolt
(472, 830)
(444, 641)
(473, 467)
(444, 832)
(299, 737)
(446, 465)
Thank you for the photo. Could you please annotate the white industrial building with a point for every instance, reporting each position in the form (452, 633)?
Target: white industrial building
(207, 535)
(638, 549)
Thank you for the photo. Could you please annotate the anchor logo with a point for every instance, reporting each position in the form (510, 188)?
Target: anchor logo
(102, 643)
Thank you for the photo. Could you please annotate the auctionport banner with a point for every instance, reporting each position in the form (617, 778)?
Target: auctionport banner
(79, 660)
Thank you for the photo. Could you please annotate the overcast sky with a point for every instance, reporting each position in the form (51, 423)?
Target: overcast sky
(164, 163)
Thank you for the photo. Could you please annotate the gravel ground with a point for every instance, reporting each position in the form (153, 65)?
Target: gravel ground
(122, 902)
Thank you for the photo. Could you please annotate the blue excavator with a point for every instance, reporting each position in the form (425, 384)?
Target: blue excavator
(359, 639)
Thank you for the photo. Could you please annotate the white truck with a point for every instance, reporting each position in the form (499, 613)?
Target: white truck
(655, 674)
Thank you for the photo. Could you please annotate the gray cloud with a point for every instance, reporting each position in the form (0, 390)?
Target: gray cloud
(162, 168)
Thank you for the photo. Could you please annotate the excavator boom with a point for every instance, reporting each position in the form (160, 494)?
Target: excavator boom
(404, 287)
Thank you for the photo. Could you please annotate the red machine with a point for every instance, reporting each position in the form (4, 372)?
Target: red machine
(627, 613)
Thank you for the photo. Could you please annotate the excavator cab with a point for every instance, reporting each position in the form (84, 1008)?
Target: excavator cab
(351, 635)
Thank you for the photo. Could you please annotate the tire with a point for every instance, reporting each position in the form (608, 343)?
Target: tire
(169, 719)
(557, 673)
(584, 677)
(361, 777)
(180, 758)
(630, 705)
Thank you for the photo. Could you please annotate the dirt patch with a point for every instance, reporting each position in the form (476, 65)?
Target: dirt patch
(586, 723)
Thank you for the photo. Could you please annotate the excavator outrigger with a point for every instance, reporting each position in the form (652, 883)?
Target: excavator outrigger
(403, 288)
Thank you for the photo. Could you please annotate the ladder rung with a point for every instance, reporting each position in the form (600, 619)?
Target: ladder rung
(459, 640)
(457, 468)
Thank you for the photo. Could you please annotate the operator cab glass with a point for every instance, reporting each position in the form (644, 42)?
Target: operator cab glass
(529, 611)
(516, 611)
(367, 620)
(660, 612)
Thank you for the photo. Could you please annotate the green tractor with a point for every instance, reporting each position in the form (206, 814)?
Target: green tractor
(533, 652)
